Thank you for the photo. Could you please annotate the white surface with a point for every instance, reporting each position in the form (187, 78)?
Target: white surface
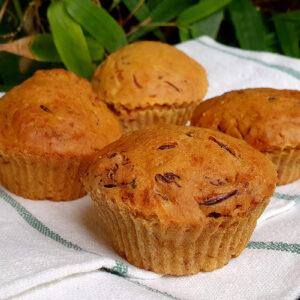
(35, 266)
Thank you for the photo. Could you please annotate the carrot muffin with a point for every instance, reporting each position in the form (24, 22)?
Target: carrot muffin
(178, 200)
(147, 83)
(50, 128)
(267, 119)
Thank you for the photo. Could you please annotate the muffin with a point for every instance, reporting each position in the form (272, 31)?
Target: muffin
(147, 83)
(267, 119)
(178, 200)
(51, 126)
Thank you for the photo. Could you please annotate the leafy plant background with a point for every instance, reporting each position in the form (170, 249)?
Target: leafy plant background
(78, 34)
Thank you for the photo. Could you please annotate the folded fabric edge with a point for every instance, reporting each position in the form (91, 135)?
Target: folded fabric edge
(108, 265)
(23, 284)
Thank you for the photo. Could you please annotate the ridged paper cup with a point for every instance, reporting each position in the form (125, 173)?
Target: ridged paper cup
(177, 250)
(287, 163)
(141, 118)
(52, 178)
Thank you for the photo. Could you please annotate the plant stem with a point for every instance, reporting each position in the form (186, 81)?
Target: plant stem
(3, 8)
(141, 2)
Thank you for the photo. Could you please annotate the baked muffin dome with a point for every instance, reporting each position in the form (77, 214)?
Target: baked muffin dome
(51, 126)
(147, 83)
(178, 200)
(267, 119)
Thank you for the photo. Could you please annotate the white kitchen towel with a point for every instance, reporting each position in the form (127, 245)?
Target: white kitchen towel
(42, 242)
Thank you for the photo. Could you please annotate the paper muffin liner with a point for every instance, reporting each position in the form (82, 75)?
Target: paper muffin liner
(34, 177)
(141, 118)
(172, 249)
(287, 163)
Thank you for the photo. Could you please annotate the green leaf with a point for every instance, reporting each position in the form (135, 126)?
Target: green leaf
(43, 48)
(184, 34)
(270, 39)
(288, 37)
(247, 24)
(200, 11)
(10, 71)
(164, 12)
(69, 41)
(208, 26)
(96, 50)
(159, 34)
(292, 16)
(5, 88)
(141, 14)
(152, 4)
(114, 4)
(98, 22)
(169, 9)
(18, 9)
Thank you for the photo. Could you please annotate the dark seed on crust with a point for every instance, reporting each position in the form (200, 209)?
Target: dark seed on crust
(171, 176)
(219, 198)
(46, 109)
(164, 197)
(216, 182)
(271, 99)
(109, 186)
(167, 178)
(173, 86)
(136, 82)
(112, 172)
(133, 183)
(189, 134)
(214, 215)
(167, 146)
(223, 146)
(161, 178)
(111, 155)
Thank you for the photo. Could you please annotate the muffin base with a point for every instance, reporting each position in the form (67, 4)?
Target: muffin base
(37, 178)
(145, 117)
(174, 250)
(287, 163)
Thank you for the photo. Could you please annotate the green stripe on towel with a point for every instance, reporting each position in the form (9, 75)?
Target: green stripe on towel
(292, 248)
(287, 197)
(35, 223)
(39, 226)
(121, 269)
(286, 70)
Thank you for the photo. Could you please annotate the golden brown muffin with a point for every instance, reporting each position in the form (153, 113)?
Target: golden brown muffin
(51, 127)
(178, 200)
(148, 83)
(267, 119)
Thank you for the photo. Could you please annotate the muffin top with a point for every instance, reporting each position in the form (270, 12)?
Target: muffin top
(55, 112)
(185, 175)
(267, 119)
(148, 73)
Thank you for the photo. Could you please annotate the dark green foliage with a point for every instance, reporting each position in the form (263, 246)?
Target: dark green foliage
(248, 25)
(76, 34)
(69, 40)
(98, 22)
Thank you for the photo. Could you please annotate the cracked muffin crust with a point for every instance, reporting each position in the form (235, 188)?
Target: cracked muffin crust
(146, 83)
(178, 200)
(51, 126)
(267, 119)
